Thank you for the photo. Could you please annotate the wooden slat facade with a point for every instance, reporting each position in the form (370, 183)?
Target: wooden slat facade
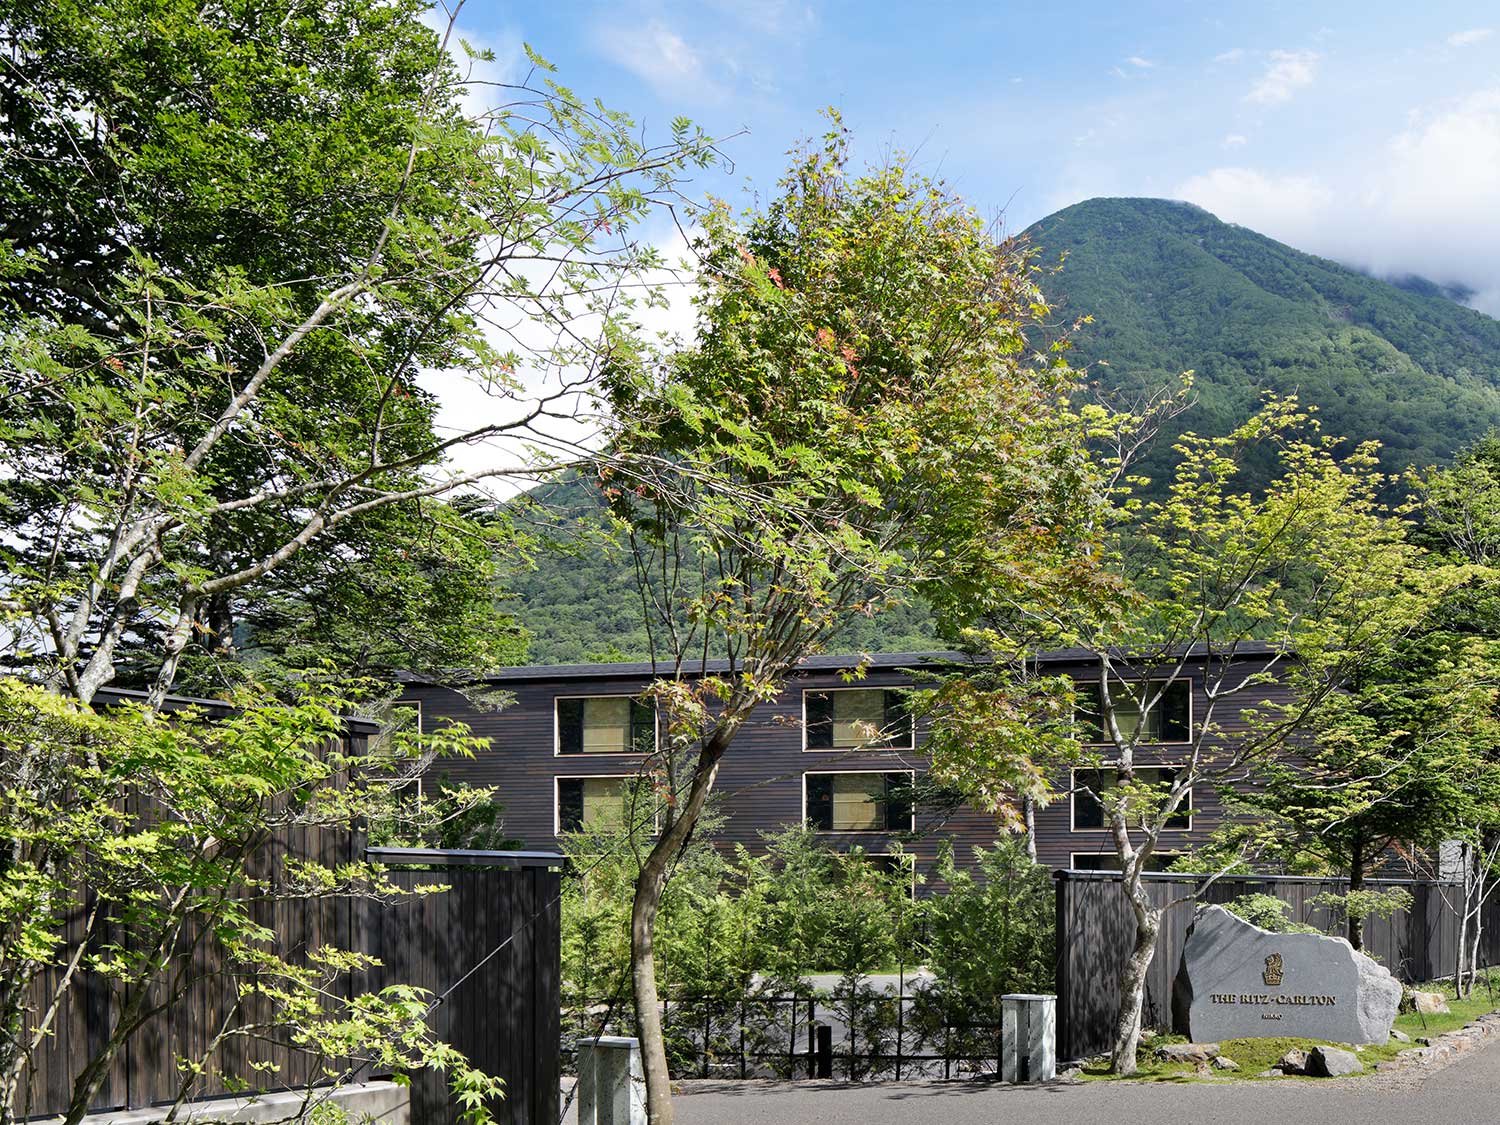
(760, 783)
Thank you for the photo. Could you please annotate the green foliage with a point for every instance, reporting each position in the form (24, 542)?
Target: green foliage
(1408, 751)
(150, 833)
(1269, 913)
(1171, 288)
(993, 931)
(734, 924)
(235, 237)
(1365, 903)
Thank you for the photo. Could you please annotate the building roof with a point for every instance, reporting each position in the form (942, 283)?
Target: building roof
(827, 662)
(215, 707)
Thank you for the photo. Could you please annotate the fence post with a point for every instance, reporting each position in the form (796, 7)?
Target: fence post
(900, 1023)
(1061, 943)
(611, 1081)
(1030, 1031)
(825, 1051)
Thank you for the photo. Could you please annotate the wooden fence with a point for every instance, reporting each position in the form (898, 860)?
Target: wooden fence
(490, 945)
(1096, 929)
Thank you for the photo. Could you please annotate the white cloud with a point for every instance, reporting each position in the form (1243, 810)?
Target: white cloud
(656, 53)
(1470, 37)
(1235, 140)
(1423, 203)
(1234, 54)
(1290, 208)
(1286, 73)
(485, 77)
(1137, 61)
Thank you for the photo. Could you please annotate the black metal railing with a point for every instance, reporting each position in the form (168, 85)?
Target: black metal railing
(867, 1035)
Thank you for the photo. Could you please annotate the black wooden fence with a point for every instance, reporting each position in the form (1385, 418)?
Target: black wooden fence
(1096, 929)
(490, 945)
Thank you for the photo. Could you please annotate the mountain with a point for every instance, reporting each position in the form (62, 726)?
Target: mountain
(1170, 288)
(1173, 288)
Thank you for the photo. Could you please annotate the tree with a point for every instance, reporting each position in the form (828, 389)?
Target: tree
(869, 412)
(1460, 521)
(1403, 754)
(233, 239)
(1209, 589)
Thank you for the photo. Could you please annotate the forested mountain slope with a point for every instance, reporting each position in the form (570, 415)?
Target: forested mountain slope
(1170, 288)
(581, 605)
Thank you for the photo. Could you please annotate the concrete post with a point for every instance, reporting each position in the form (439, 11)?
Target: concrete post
(611, 1081)
(1028, 1049)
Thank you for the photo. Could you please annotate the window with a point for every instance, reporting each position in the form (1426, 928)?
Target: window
(859, 802)
(593, 803)
(1169, 720)
(1088, 784)
(1108, 861)
(845, 718)
(606, 724)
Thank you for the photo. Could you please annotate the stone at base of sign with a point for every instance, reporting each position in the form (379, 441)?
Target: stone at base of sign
(1331, 1062)
(1237, 980)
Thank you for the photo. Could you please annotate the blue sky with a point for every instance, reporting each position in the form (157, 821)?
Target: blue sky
(1369, 132)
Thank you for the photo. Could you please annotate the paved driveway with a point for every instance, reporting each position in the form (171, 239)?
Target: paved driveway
(1466, 1092)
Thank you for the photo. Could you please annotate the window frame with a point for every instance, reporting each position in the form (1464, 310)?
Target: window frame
(1074, 771)
(557, 750)
(911, 773)
(1192, 706)
(1073, 857)
(557, 779)
(873, 748)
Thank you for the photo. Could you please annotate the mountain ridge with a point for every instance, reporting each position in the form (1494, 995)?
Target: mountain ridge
(1172, 288)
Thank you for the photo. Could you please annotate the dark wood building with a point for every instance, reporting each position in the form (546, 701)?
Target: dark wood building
(837, 753)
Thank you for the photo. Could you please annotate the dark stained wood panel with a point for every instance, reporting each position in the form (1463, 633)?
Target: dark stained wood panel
(760, 782)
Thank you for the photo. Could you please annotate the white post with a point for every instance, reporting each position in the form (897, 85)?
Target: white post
(611, 1081)
(1028, 1049)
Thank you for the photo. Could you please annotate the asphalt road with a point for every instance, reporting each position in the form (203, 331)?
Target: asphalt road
(1465, 1092)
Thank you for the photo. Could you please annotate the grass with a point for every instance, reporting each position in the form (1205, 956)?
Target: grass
(1486, 998)
(1256, 1055)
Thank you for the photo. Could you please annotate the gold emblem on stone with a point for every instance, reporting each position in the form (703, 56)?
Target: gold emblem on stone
(1272, 975)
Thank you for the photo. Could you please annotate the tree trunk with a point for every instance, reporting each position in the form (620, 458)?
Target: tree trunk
(650, 884)
(1133, 983)
(1029, 806)
(1356, 921)
(648, 891)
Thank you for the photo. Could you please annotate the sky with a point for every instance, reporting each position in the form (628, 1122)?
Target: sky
(1368, 131)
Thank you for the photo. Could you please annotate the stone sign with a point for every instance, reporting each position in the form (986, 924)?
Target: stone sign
(1240, 980)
